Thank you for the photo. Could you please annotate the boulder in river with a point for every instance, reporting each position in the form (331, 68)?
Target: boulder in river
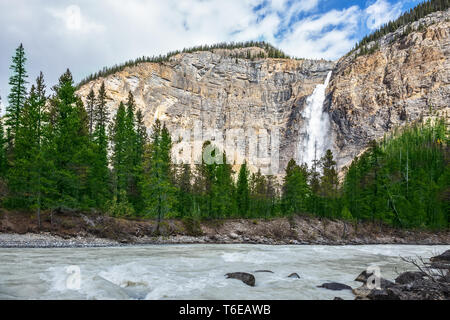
(408, 277)
(246, 278)
(363, 276)
(445, 257)
(335, 286)
(294, 275)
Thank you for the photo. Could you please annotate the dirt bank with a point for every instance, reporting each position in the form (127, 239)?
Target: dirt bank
(98, 229)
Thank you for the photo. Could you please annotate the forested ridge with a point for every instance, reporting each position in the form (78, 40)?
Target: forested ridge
(420, 11)
(269, 52)
(57, 152)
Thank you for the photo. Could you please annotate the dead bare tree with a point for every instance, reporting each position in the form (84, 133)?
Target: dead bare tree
(429, 270)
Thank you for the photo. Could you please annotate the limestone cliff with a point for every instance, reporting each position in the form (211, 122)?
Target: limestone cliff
(408, 77)
(222, 92)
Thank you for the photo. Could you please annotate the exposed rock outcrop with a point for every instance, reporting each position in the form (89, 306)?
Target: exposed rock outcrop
(223, 93)
(408, 77)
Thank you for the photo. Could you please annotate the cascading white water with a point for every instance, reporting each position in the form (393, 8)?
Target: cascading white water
(314, 136)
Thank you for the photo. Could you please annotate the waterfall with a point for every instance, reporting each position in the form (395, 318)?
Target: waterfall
(314, 136)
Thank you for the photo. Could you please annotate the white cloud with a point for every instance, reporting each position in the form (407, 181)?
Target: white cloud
(91, 34)
(326, 36)
(382, 12)
(74, 20)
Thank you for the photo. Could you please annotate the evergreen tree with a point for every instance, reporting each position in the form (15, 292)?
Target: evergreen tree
(71, 150)
(130, 152)
(223, 190)
(185, 199)
(141, 141)
(260, 199)
(3, 160)
(30, 176)
(119, 141)
(204, 179)
(156, 185)
(329, 185)
(91, 101)
(295, 189)
(99, 175)
(17, 96)
(242, 191)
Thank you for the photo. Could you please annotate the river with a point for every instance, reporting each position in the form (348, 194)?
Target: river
(195, 271)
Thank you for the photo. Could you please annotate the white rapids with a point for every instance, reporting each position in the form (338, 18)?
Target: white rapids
(196, 271)
(314, 139)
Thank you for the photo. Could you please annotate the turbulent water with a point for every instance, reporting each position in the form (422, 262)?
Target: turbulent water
(314, 140)
(195, 271)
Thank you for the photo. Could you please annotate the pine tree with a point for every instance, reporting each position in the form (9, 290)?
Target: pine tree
(141, 141)
(130, 152)
(99, 175)
(91, 101)
(30, 177)
(223, 190)
(17, 96)
(242, 191)
(71, 148)
(185, 199)
(295, 189)
(119, 141)
(3, 160)
(259, 195)
(156, 185)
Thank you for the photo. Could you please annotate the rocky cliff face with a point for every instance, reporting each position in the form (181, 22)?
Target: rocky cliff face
(223, 93)
(368, 95)
(407, 78)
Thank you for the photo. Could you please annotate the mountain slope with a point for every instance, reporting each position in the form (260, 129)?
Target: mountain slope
(221, 91)
(406, 78)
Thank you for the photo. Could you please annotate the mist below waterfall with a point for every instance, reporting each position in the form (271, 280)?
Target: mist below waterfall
(314, 136)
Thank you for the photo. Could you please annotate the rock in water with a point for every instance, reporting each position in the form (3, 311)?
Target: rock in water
(338, 298)
(294, 275)
(408, 277)
(363, 276)
(263, 271)
(445, 257)
(335, 286)
(246, 278)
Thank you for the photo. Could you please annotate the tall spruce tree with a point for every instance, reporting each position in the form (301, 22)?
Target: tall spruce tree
(119, 141)
(223, 203)
(185, 199)
(100, 176)
(141, 141)
(91, 101)
(72, 150)
(18, 94)
(243, 191)
(130, 153)
(156, 185)
(295, 189)
(30, 177)
(3, 160)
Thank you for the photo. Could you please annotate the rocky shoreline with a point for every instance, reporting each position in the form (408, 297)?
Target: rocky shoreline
(75, 229)
(47, 240)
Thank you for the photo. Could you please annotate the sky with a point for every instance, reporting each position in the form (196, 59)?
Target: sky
(85, 35)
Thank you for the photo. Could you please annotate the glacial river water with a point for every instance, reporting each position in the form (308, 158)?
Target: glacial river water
(194, 271)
